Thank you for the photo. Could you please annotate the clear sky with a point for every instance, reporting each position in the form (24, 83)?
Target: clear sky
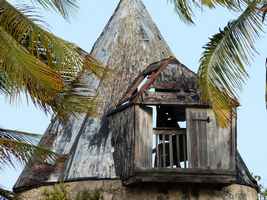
(186, 42)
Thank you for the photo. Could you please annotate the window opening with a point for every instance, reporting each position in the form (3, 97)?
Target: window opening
(169, 140)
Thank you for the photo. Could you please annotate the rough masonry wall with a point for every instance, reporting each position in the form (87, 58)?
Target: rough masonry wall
(113, 190)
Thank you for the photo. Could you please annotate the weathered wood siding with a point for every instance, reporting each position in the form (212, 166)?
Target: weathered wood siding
(143, 137)
(121, 127)
(169, 98)
(209, 146)
(178, 85)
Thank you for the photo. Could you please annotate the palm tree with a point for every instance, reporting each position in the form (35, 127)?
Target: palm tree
(42, 66)
(222, 71)
(18, 146)
(35, 62)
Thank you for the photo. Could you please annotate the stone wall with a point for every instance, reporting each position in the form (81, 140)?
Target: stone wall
(113, 190)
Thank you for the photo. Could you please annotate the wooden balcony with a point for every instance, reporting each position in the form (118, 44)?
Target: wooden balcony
(170, 163)
(201, 153)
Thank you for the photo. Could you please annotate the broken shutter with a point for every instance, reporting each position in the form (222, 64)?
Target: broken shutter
(209, 146)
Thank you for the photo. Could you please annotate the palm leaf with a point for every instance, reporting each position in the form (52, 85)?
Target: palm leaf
(64, 7)
(52, 52)
(11, 151)
(19, 146)
(26, 137)
(24, 71)
(222, 65)
(184, 10)
(55, 52)
(76, 98)
(8, 195)
(230, 4)
(4, 85)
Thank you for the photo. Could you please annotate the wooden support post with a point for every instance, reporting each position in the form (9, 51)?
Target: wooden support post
(178, 150)
(157, 150)
(171, 151)
(184, 150)
(164, 151)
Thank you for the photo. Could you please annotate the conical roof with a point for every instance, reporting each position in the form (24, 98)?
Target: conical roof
(130, 41)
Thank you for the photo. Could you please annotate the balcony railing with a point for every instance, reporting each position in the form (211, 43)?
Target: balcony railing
(170, 148)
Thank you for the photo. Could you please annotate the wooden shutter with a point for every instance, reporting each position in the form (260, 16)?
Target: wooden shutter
(143, 137)
(209, 146)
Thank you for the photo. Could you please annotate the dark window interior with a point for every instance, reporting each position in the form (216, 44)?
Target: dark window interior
(170, 116)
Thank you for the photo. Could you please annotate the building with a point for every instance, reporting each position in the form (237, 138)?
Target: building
(153, 139)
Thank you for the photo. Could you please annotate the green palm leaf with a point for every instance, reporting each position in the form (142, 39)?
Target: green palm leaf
(6, 194)
(21, 136)
(222, 65)
(4, 86)
(230, 4)
(24, 71)
(38, 61)
(184, 10)
(20, 146)
(64, 7)
(55, 52)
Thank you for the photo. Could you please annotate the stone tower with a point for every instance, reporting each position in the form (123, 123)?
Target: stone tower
(129, 43)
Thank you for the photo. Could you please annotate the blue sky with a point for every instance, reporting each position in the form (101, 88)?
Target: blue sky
(186, 42)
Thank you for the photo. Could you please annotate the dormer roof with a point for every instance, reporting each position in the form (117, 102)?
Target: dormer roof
(166, 77)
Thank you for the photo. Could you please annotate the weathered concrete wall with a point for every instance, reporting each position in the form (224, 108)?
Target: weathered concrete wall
(113, 190)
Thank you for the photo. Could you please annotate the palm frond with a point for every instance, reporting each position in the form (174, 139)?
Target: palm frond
(184, 10)
(21, 146)
(24, 71)
(21, 136)
(222, 70)
(54, 55)
(230, 4)
(4, 85)
(64, 7)
(77, 98)
(55, 52)
(8, 195)
(13, 150)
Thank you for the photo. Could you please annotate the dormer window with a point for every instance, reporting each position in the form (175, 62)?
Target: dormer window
(165, 134)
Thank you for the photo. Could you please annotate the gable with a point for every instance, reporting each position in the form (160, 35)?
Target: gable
(165, 82)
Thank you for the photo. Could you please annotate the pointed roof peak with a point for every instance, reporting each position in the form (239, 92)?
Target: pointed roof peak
(132, 25)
